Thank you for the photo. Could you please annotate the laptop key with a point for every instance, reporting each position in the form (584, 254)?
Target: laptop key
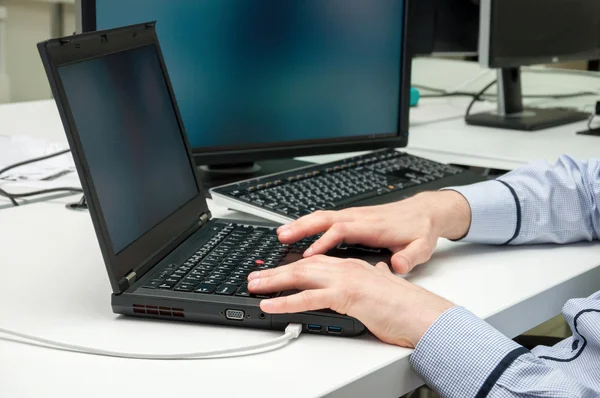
(235, 281)
(193, 278)
(168, 283)
(218, 276)
(205, 288)
(185, 287)
(212, 281)
(226, 289)
(243, 291)
(153, 284)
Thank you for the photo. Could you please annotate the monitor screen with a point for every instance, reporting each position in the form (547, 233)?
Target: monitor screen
(262, 73)
(534, 31)
(132, 141)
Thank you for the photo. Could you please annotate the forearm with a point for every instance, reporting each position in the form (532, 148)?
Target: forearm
(538, 203)
(462, 356)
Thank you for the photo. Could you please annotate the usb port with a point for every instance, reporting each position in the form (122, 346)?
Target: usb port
(314, 328)
(334, 330)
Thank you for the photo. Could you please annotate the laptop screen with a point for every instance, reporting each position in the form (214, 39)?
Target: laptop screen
(129, 132)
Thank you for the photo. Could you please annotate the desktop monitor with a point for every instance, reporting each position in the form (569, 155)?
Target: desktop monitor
(448, 27)
(515, 33)
(268, 79)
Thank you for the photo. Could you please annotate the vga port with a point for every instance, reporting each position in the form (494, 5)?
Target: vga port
(236, 315)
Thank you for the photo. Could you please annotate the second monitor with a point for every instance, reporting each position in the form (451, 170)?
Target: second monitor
(270, 79)
(515, 33)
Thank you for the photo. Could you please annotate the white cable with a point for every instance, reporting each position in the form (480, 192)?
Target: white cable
(292, 331)
(476, 78)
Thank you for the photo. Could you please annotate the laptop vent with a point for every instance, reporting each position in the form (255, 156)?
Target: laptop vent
(158, 311)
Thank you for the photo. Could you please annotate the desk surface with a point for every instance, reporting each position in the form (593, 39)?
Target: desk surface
(55, 286)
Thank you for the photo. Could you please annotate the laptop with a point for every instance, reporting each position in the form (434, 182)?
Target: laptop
(166, 256)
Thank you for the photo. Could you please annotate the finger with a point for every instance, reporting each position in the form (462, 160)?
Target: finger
(311, 224)
(301, 278)
(415, 253)
(308, 300)
(314, 261)
(383, 266)
(348, 232)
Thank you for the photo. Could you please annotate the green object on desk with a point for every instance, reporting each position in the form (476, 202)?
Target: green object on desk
(415, 95)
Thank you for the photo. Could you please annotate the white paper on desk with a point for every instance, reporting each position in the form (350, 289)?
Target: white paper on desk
(70, 180)
(15, 149)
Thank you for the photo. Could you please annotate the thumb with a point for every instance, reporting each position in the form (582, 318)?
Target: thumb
(413, 254)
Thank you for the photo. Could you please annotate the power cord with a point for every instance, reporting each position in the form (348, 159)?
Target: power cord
(440, 93)
(292, 331)
(478, 96)
(591, 130)
(34, 160)
(14, 196)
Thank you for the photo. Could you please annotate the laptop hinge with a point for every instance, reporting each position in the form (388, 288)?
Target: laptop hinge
(204, 218)
(128, 280)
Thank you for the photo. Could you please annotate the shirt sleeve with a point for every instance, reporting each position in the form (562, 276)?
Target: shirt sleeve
(537, 203)
(462, 356)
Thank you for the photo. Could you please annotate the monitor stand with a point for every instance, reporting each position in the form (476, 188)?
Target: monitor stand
(511, 113)
(216, 175)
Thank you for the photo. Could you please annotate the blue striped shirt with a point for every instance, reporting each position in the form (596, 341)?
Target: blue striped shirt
(539, 203)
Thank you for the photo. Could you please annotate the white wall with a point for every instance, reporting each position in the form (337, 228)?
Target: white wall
(29, 22)
(4, 83)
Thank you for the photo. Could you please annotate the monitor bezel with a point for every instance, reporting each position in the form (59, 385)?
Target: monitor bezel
(488, 59)
(154, 244)
(86, 14)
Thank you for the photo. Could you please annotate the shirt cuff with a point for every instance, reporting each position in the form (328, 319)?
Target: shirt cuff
(493, 212)
(462, 356)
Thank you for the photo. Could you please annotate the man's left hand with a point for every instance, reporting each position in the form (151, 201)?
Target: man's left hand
(393, 309)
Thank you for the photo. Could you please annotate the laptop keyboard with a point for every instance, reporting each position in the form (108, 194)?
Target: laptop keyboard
(338, 184)
(223, 264)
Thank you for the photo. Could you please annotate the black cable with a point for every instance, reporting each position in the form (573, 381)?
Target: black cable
(476, 98)
(52, 155)
(440, 93)
(13, 196)
(6, 194)
(590, 121)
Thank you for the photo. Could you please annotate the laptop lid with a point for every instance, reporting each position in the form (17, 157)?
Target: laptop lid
(129, 145)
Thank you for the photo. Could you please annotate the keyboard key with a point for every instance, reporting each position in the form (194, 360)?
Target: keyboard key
(205, 288)
(242, 229)
(194, 278)
(215, 275)
(226, 289)
(243, 291)
(226, 268)
(212, 281)
(168, 283)
(153, 284)
(185, 287)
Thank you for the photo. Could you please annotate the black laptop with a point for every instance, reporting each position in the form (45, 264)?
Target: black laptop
(165, 255)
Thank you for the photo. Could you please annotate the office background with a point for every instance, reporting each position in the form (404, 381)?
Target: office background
(23, 23)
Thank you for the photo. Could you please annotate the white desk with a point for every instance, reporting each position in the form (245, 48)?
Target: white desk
(55, 286)
(453, 141)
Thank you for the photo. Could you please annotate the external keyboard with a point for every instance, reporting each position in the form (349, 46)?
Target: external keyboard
(336, 185)
(223, 264)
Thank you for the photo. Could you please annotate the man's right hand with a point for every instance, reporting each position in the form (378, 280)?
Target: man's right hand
(409, 228)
